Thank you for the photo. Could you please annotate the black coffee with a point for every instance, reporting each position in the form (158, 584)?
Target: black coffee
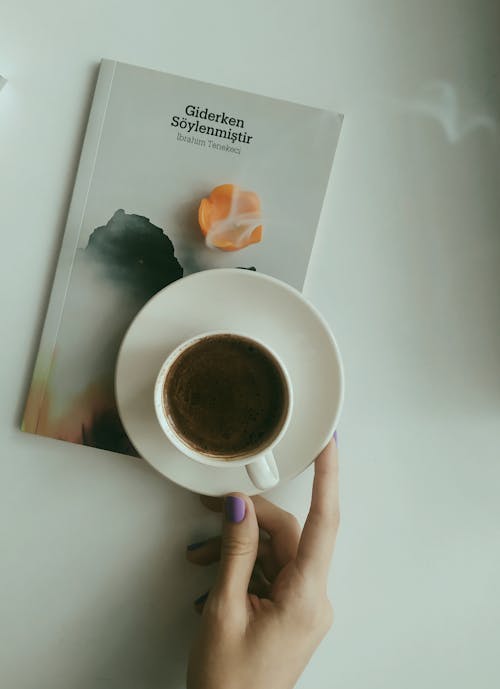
(226, 396)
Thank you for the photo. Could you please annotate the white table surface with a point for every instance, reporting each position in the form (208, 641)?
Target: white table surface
(94, 589)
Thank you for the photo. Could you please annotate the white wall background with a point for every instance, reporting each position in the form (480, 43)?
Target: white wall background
(94, 590)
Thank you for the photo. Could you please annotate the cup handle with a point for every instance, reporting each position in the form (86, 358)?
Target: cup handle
(263, 471)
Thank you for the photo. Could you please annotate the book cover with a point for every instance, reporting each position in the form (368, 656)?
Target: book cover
(175, 176)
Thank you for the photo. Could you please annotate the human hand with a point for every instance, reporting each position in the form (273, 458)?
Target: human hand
(268, 609)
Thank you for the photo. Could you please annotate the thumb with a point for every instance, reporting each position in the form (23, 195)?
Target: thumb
(240, 540)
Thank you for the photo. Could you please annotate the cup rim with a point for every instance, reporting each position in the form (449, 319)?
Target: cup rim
(177, 441)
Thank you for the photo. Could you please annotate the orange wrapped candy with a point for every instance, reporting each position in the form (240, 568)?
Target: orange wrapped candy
(230, 218)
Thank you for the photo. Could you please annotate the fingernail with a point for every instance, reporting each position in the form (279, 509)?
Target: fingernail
(234, 509)
(201, 599)
(335, 436)
(195, 546)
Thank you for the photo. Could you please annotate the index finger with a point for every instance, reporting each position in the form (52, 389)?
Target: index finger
(320, 529)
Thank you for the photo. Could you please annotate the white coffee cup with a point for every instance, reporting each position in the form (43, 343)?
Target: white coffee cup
(261, 467)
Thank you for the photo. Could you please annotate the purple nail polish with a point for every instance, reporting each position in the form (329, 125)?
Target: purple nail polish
(234, 509)
(201, 599)
(195, 546)
(335, 436)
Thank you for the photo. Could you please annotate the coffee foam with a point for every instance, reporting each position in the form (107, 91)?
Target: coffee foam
(230, 405)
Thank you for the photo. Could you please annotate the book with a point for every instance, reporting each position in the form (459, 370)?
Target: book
(175, 176)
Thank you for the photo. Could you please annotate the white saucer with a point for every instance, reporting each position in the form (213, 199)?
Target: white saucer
(249, 303)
